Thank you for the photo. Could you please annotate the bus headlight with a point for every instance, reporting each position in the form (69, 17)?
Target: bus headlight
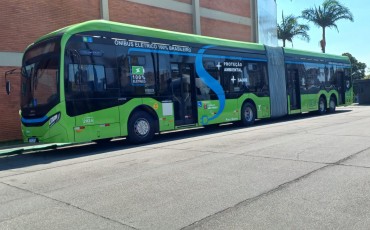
(54, 119)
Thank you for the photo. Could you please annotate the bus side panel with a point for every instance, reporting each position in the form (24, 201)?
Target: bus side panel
(97, 125)
(263, 106)
(208, 112)
(164, 112)
(349, 97)
(309, 102)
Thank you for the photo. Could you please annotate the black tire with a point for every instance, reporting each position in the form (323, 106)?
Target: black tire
(140, 128)
(322, 106)
(248, 114)
(332, 104)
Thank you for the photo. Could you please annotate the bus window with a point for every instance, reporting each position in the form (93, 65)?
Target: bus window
(233, 77)
(321, 77)
(347, 74)
(93, 80)
(137, 75)
(164, 86)
(254, 78)
(86, 78)
(203, 92)
(332, 79)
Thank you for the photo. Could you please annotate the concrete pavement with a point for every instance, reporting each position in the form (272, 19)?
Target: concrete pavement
(306, 172)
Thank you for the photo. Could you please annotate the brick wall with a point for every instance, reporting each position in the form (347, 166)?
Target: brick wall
(9, 107)
(23, 21)
(237, 7)
(138, 14)
(229, 30)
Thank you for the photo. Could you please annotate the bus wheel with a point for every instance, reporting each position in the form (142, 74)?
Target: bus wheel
(140, 128)
(332, 104)
(248, 114)
(322, 106)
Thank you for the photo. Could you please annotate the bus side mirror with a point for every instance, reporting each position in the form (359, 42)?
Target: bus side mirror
(7, 87)
(7, 82)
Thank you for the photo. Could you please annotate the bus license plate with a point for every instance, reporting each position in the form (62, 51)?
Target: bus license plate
(32, 140)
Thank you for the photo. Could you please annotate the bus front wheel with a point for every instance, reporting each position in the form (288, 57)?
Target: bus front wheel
(248, 114)
(140, 128)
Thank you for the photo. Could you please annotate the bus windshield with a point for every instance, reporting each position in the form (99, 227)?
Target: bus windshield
(40, 78)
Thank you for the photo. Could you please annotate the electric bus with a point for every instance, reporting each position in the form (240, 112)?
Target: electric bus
(99, 80)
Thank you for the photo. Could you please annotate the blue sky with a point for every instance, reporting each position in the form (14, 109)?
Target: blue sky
(353, 37)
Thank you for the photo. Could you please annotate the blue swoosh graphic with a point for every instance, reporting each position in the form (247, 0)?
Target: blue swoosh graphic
(211, 83)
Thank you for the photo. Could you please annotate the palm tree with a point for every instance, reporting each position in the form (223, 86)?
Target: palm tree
(290, 28)
(326, 16)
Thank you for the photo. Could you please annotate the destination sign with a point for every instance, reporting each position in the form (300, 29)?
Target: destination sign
(152, 45)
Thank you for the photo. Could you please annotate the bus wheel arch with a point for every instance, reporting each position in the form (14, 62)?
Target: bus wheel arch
(248, 113)
(322, 105)
(332, 103)
(142, 125)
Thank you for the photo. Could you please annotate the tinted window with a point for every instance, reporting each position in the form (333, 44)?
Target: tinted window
(91, 70)
(91, 79)
(137, 74)
(255, 78)
(164, 86)
(87, 78)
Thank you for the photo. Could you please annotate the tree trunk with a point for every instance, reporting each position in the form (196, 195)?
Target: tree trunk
(323, 41)
(283, 42)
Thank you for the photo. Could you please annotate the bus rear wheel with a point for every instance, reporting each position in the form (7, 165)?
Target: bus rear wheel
(332, 105)
(322, 106)
(248, 114)
(140, 128)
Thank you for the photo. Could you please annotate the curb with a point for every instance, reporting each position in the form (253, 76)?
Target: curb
(28, 148)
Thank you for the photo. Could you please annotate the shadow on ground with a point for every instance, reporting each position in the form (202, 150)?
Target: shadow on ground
(44, 156)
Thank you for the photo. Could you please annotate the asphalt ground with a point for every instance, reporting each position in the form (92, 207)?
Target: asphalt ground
(301, 172)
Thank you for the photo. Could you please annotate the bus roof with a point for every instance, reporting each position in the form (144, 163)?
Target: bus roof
(302, 54)
(109, 26)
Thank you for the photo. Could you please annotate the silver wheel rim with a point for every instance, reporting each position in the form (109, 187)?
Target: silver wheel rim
(322, 105)
(248, 114)
(332, 104)
(142, 127)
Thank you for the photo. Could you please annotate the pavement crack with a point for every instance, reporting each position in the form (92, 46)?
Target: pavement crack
(250, 200)
(341, 161)
(269, 192)
(69, 205)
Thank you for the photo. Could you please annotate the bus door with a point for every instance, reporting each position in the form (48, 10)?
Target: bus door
(293, 89)
(183, 92)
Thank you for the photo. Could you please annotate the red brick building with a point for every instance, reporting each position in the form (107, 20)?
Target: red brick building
(23, 21)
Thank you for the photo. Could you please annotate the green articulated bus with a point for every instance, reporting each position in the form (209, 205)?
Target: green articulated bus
(99, 80)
